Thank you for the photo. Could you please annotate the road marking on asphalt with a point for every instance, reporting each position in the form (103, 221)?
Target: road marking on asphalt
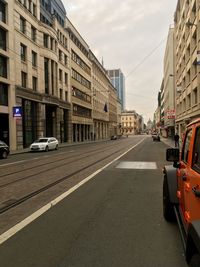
(12, 231)
(138, 165)
(7, 164)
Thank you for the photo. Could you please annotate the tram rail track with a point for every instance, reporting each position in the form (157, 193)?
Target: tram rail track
(32, 194)
(52, 161)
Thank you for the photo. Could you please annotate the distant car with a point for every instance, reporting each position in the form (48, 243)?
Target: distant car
(156, 137)
(113, 137)
(4, 150)
(44, 144)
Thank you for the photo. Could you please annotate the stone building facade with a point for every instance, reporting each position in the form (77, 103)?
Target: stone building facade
(46, 82)
(187, 73)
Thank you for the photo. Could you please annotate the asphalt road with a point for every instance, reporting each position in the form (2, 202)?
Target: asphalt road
(115, 219)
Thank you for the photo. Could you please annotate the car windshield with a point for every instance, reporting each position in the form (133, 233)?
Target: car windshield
(42, 140)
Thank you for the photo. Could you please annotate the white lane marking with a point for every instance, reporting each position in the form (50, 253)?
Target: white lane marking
(139, 165)
(12, 231)
(7, 164)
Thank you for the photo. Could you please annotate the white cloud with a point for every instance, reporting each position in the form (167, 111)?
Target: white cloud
(124, 33)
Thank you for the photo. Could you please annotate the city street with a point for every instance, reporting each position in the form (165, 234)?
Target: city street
(112, 218)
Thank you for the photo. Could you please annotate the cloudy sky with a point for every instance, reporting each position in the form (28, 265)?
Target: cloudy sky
(130, 35)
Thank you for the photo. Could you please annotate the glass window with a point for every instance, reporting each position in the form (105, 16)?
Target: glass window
(23, 52)
(195, 96)
(3, 37)
(3, 66)
(46, 75)
(60, 74)
(196, 152)
(33, 33)
(186, 146)
(2, 11)
(34, 83)
(61, 93)
(66, 78)
(29, 5)
(34, 10)
(22, 24)
(3, 94)
(34, 59)
(46, 37)
(24, 78)
(60, 55)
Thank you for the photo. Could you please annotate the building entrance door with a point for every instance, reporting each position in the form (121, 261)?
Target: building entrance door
(4, 128)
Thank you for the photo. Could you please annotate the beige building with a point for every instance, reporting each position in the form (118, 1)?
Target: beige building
(47, 76)
(81, 86)
(168, 85)
(113, 126)
(187, 77)
(129, 122)
(100, 99)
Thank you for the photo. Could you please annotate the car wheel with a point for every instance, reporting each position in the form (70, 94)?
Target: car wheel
(168, 209)
(46, 148)
(195, 261)
(56, 148)
(4, 155)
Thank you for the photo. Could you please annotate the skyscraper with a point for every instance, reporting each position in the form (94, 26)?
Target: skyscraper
(118, 81)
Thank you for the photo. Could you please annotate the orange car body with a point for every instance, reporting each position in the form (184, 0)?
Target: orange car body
(181, 191)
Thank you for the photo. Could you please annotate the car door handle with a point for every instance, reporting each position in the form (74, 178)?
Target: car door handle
(196, 192)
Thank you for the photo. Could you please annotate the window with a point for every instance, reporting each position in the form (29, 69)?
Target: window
(34, 10)
(34, 59)
(52, 42)
(196, 152)
(29, 5)
(61, 93)
(3, 37)
(46, 75)
(3, 94)
(2, 11)
(23, 78)
(186, 146)
(34, 83)
(60, 74)
(66, 96)
(189, 100)
(46, 38)
(23, 52)
(33, 33)
(66, 78)
(3, 66)
(60, 55)
(22, 24)
(195, 96)
(66, 60)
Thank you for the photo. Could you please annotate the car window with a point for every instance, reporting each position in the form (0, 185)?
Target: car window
(196, 152)
(43, 140)
(186, 146)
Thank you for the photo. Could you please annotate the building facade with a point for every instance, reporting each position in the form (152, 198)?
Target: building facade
(46, 77)
(81, 86)
(168, 85)
(129, 122)
(187, 76)
(118, 81)
(100, 100)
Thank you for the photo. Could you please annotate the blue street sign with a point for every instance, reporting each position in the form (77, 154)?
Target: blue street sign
(17, 112)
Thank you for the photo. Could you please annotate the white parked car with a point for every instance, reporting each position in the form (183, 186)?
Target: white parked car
(44, 144)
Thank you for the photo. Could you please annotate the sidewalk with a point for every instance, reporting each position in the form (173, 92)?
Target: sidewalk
(168, 141)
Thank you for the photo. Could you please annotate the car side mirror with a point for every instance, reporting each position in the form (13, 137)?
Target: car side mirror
(172, 154)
